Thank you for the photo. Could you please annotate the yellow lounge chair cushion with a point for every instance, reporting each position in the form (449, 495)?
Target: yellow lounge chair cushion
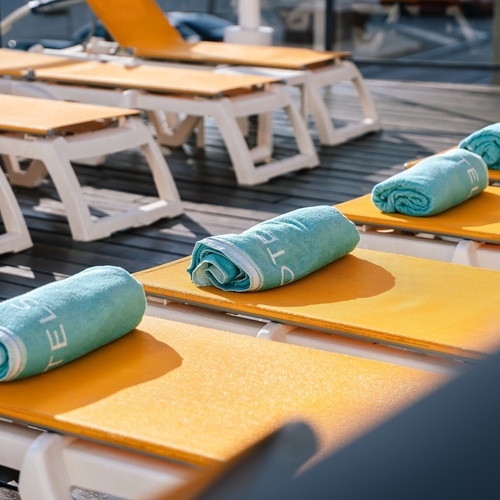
(201, 395)
(476, 219)
(43, 116)
(148, 77)
(416, 303)
(141, 26)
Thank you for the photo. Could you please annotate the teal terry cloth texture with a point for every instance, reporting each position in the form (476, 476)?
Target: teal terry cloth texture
(433, 185)
(275, 252)
(485, 143)
(59, 322)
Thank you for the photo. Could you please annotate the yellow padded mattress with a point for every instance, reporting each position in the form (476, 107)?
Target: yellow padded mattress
(202, 396)
(433, 306)
(147, 77)
(476, 219)
(140, 25)
(44, 116)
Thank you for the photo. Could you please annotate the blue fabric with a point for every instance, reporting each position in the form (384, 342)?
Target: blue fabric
(275, 252)
(433, 185)
(59, 322)
(485, 143)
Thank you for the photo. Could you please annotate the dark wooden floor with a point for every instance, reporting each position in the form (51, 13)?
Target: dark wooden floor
(418, 119)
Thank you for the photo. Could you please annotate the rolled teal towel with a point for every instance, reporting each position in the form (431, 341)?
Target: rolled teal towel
(433, 185)
(275, 252)
(59, 322)
(485, 143)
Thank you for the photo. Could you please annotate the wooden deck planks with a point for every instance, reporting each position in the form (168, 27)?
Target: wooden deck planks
(418, 119)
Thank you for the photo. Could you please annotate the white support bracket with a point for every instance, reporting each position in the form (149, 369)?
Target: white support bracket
(466, 253)
(43, 472)
(275, 331)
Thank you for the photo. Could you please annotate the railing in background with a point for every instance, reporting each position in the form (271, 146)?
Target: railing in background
(386, 38)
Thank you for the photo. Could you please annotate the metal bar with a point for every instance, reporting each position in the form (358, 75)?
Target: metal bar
(329, 23)
(426, 64)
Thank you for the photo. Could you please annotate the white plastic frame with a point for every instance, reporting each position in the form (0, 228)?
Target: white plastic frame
(427, 246)
(16, 237)
(54, 155)
(309, 82)
(251, 165)
(51, 464)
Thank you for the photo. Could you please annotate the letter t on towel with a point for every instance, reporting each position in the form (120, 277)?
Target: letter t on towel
(275, 252)
(59, 322)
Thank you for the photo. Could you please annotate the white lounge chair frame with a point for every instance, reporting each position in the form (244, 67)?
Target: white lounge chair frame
(50, 464)
(16, 237)
(54, 155)
(445, 249)
(310, 83)
(251, 165)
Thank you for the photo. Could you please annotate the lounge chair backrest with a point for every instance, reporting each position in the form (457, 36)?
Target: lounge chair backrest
(140, 24)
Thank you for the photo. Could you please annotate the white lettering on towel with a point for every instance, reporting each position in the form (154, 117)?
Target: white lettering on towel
(284, 270)
(57, 337)
(274, 255)
(28, 303)
(473, 175)
(267, 239)
(57, 342)
(53, 363)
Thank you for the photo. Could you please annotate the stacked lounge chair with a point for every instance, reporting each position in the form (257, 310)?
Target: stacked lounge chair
(197, 94)
(15, 237)
(141, 29)
(53, 134)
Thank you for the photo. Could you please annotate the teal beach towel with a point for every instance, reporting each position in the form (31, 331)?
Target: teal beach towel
(485, 143)
(59, 322)
(433, 185)
(275, 252)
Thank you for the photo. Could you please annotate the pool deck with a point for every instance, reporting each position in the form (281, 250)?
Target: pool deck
(418, 119)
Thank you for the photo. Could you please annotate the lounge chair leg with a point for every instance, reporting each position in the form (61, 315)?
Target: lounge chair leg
(177, 133)
(43, 472)
(328, 133)
(466, 253)
(16, 237)
(275, 331)
(57, 153)
(244, 160)
(31, 177)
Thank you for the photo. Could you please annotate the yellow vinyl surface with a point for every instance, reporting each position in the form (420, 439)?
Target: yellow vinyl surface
(477, 218)
(254, 55)
(142, 26)
(203, 396)
(141, 76)
(416, 303)
(44, 116)
(17, 62)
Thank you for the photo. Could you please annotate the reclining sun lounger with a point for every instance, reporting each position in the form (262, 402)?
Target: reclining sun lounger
(436, 308)
(466, 234)
(401, 214)
(53, 134)
(139, 416)
(141, 28)
(226, 98)
(16, 236)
